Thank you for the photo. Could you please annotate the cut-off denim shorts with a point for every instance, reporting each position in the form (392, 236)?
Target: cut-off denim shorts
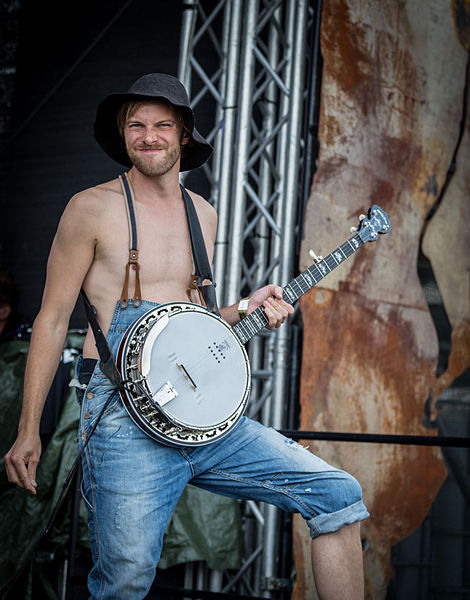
(131, 483)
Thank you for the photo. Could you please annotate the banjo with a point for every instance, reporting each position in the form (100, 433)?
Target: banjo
(186, 372)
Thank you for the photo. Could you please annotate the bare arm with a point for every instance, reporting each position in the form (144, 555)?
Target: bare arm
(69, 260)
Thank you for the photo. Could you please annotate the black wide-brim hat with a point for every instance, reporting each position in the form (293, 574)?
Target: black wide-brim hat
(149, 87)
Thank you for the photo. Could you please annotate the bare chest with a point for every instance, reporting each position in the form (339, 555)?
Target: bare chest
(164, 250)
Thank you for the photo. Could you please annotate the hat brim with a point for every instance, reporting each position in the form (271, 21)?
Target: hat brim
(106, 131)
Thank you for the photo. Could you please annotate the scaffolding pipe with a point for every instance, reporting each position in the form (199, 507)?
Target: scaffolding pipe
(290, 193)
(235, 253)
(287, 208)
(266, 188)
(186, 43)
(233, 19)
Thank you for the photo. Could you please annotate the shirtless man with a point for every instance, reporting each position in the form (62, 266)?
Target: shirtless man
(131, 482)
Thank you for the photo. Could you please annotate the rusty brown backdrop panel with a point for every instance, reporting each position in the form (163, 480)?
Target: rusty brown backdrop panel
(391, 105)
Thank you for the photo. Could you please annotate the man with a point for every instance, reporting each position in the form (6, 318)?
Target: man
(132, 482)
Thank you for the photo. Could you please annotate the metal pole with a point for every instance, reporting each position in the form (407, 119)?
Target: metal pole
(258, 344)
(290, 193)
(235, 254)
(186, 43)
(233, 19)
(287, 208)
(219, 116)
(188, 26)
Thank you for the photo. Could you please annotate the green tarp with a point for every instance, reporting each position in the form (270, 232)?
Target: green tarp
(203, 526)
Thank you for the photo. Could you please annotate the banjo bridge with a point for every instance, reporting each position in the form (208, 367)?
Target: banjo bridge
(187, 376)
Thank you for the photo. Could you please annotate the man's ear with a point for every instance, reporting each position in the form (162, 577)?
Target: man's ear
(5, 312)
(185, 139)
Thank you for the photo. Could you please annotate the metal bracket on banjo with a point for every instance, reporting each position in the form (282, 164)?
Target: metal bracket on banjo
(151, 402)
(165, 394)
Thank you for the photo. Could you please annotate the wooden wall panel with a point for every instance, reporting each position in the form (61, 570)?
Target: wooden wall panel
(393, 79)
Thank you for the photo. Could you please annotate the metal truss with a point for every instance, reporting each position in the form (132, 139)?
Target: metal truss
(252, 65)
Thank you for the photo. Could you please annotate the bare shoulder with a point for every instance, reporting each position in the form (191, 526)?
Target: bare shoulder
(88, 207)
(95, 199)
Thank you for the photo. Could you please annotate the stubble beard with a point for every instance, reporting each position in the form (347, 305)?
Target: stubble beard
(147, 166)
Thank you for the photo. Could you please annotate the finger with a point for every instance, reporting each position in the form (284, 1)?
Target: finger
(10, 466)
(274, 314)
(9, 469)
(272, 321)
(277, 291)
(280, 307)
(32, 466)
(269, 314)
(18, 474)
(288, 307)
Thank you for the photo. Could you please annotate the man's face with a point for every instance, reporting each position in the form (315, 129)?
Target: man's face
(153, 138)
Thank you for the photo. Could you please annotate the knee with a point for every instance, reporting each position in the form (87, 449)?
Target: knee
(125, 574)
(347, 490)
(131, 579)
(342, 506)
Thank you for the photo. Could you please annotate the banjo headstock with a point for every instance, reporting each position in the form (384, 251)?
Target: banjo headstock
(375, 222)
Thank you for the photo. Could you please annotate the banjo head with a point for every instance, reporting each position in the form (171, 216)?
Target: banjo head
(187, 373)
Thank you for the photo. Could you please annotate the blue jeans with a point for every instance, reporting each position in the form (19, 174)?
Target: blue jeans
(132, 483)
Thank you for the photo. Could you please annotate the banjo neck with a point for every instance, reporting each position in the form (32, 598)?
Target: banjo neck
(369, 227)
(297, 287)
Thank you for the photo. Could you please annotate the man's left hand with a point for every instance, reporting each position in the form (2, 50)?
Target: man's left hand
(276, 309)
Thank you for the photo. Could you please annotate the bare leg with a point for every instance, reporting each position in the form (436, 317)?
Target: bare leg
(337, 564)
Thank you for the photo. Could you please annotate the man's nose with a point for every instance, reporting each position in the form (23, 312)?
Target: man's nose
(151, 135)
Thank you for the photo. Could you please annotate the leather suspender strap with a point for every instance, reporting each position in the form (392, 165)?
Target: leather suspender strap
(107, 364)
(201, 261)
(133, 250)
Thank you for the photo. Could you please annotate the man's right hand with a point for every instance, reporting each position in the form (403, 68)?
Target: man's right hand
(22, 460)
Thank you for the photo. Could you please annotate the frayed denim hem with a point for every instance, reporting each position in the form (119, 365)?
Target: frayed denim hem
(334, 521)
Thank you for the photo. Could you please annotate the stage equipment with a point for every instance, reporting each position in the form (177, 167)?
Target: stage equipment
(254, 66)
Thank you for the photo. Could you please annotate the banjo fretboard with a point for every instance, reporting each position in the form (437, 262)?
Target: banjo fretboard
(255, 321)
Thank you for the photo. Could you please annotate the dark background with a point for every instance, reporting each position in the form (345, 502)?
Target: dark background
(67, 58)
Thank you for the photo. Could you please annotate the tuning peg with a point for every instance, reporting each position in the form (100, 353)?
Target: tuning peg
(362, 217)
(315, 257)
(353, 230)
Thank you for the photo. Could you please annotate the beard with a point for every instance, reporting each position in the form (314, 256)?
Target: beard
(149, 166)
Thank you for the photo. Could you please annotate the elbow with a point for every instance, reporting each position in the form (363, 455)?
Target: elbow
(51, 322)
